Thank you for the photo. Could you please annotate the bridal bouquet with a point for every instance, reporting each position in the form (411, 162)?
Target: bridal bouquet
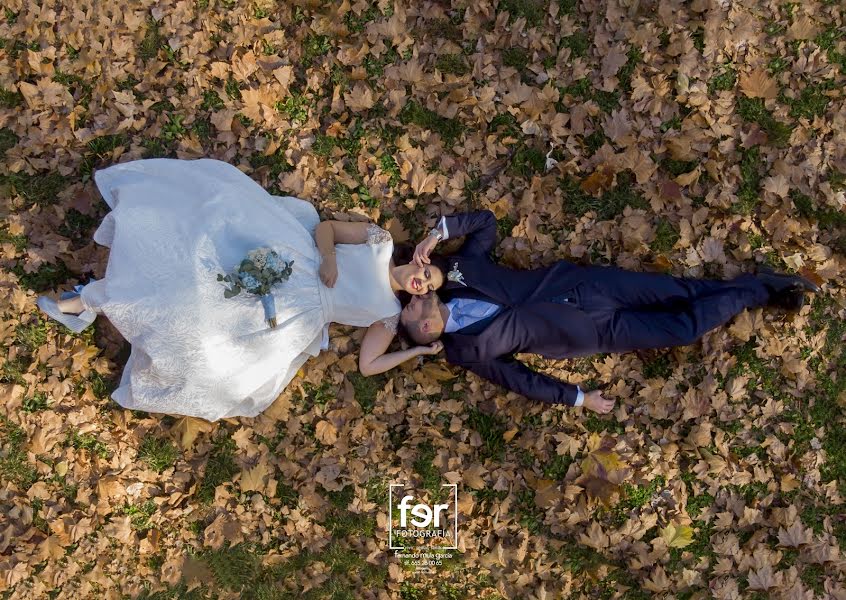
(256, 274)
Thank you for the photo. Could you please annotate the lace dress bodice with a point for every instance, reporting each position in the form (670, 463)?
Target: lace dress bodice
(362, 293)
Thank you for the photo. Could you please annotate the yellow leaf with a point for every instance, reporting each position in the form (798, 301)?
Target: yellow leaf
(677, 536)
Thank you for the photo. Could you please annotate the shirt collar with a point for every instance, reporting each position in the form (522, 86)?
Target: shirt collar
(451, 324)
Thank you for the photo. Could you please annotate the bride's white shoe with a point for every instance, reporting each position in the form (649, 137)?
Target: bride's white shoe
(76, 323)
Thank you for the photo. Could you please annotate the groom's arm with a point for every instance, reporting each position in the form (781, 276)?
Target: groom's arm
(478, 226)
(517, 377)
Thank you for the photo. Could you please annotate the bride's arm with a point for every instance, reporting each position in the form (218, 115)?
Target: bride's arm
(329, 233)
(373, 360)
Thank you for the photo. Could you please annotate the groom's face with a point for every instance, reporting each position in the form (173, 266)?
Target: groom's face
(423, 319)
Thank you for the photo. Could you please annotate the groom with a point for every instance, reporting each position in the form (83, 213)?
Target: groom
(490, 312)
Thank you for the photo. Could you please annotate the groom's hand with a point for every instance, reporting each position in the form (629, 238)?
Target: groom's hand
(423, 250)
(595, 402)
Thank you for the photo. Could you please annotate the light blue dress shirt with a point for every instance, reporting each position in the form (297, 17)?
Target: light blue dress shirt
(466, 311)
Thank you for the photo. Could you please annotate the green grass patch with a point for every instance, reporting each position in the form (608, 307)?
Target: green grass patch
(752, 171)
(491, 428)
(578, 43)
(634, 497)
(48, 276)
(8, 140)
(77, 225)
(356, 23)
(527, 161)
(275, 164)
(10, 98)
(220, 467)
(505, 225)
(529, 514)
(826, 217)
(40, 188)
(375, 65)
(342, 522)
(158, 453)
(314, 47)
(211, 101)
(35, 403)
(811, 102)
(14, 466)
(724, 80)
(366, 389)
(633, 58)
(660, 366)
(430, 476)
(516, 57)
(609, 204)
(666, 236)
(140, 515)
(454, 64)
(391, 169)
(416, 114)
(152, 42)
(318, 395)
(532, 10)
(295, 107)
(678, 167)
(506, 122)
(239, 570)
(88, 442)
(557, 467)
(752, 110)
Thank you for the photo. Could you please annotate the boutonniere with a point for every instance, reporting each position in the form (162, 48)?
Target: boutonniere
(456, 275)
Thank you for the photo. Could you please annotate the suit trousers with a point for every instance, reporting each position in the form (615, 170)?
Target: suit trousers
(636, 311)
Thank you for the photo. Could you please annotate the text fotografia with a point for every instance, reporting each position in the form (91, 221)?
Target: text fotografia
(425, 533)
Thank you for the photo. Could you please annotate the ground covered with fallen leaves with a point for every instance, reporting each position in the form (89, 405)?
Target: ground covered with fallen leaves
(691, 137)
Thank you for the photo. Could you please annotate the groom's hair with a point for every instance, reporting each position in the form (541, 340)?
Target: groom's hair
(412, 330)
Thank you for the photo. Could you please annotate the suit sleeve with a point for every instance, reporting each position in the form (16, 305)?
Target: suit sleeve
(517, 377)
(478, 226)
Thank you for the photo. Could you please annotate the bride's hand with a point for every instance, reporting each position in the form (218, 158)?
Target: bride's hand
(423, 250)
(328, 271)
(432, 348)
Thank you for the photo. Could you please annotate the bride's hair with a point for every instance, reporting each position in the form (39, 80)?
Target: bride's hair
(403, 253)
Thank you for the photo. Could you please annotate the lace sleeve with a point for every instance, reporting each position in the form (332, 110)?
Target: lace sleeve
(377, 235)
(391, 323)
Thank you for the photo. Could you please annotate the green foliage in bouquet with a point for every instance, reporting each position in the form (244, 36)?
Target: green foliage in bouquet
(261, 270)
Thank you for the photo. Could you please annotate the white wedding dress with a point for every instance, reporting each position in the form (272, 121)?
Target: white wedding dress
(176, 224)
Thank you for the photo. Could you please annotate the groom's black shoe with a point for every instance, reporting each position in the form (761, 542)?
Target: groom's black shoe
(791, 299)
(776, 282)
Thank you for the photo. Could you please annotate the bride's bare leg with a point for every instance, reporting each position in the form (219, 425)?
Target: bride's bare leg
(71, 305)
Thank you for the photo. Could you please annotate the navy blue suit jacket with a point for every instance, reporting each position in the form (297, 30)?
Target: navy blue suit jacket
(534, 319)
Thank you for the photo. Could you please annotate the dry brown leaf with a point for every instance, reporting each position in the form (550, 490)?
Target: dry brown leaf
(758, 84)
(598, 181)
(186, 430)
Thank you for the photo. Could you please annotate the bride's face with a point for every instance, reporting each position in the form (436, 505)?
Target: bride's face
(420, 280)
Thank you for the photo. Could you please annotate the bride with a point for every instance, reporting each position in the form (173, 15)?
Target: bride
(176, 224)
